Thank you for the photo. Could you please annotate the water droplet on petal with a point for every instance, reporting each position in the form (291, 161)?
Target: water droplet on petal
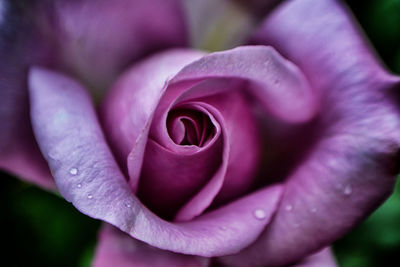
(296, 225)
(73, 171)
(52, 154)
(313, 210)
(223, 228)
(259, 214)
(79, 185)
(128, 205)
(347, 190)
(288, 207)
(89, 196)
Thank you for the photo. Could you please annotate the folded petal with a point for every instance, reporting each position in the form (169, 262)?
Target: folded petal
(86, 174)
(98, 39)
(186, 168)
(128, 109)
(353, 162)
(277, 83)
(116, 248)
(20, 46)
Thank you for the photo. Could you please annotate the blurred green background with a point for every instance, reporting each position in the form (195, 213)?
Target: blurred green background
(50, 232)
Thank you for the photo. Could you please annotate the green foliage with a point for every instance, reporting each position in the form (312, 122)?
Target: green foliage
(42, 229)
(380, 19)
(376, 242)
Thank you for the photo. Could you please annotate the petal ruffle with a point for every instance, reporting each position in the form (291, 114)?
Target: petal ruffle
(352, 165)
(116, 248)
(86, 174)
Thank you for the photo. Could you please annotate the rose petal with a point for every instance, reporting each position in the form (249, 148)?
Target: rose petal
(20, 45)
(236, 173)
(353, 163)
(116, 248)
(276, 82)
(98, 39)
(165, 171)
(128, 108)
(322, 258)
(86, 174)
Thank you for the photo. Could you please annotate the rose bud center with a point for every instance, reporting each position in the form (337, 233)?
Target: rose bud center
(190, 127)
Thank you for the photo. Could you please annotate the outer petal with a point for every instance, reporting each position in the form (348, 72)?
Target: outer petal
(116, 248)
(20, 45)
(86, 174)
(353, 162)
(99, 38)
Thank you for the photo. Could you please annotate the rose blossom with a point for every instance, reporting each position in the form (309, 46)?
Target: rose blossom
(259, 155)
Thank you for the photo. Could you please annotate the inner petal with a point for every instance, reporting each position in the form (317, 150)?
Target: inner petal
(190, 127)
(171, 177)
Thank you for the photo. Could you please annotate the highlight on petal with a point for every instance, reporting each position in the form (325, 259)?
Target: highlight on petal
(86, 174)
(116, 248)
(20, 46)
(99, 39)
(352, 164)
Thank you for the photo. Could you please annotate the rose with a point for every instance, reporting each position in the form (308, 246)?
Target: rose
(340, 120)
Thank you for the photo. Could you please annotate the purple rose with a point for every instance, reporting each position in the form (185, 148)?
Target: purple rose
(261, 155)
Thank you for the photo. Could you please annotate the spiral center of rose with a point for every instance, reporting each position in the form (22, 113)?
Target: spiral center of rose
(190, 127)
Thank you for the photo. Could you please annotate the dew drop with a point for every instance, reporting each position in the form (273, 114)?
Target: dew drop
(223, 228)
(259, 214)
(128, 205)
(52, 154)
(288, 207)
(313, 210)
(73, 171)
(79, 185)
(89, 196)
(296, 225)
(347, 190)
